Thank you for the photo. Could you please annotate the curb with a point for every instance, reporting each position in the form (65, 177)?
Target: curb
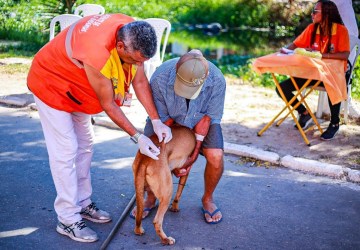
(312, 166)
(251, 152)
(16, 101)
(288, 161)
(295, 163)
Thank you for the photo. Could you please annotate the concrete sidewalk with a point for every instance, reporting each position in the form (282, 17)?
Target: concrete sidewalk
(263, 207)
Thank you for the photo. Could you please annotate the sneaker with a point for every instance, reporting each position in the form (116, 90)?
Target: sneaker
(77, 231)
(94, 214)
(330, 133)
(304, 121)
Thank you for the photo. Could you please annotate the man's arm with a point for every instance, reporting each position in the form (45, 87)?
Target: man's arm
(104, 91)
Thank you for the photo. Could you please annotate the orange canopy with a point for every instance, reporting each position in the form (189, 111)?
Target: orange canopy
(329, 71)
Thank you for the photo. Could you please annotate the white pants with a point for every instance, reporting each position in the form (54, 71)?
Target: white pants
(69, 140)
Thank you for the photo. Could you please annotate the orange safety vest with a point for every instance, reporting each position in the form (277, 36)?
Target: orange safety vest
(339, 40)
(57, 76)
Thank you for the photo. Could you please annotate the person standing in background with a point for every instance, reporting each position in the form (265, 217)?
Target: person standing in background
(190, 91)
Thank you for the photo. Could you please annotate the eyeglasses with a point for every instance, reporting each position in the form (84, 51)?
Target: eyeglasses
(314, 12)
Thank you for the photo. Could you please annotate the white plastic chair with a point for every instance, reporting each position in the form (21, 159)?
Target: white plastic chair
(323, 106)
(356, 49)
(162, 28)
(89, 9)
(64, 20)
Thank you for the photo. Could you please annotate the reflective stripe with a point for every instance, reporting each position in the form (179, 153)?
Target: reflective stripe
(69, 48)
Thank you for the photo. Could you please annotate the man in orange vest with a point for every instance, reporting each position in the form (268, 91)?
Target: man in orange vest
(86, 69)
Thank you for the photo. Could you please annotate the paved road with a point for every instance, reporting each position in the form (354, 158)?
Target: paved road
(264, 208)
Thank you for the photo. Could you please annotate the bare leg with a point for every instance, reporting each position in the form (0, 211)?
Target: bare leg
(213, 172)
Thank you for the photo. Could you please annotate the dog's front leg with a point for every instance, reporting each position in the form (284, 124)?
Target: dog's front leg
(175, 204)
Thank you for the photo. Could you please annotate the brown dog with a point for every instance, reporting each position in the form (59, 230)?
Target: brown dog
(156, 175)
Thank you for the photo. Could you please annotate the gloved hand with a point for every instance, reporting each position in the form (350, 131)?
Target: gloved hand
(201, 129)
(147, 147)
(161, 130)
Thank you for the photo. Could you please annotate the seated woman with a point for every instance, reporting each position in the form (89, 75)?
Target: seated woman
(328, 35)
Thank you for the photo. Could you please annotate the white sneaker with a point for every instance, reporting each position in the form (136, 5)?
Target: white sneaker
(77, 231)
(94, 214)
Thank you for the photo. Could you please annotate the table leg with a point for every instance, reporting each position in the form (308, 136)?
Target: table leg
(302, 100)
(291, 109)
(294, 97)
(287, 106)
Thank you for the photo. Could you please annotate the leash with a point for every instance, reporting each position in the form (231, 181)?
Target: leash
(118, 223)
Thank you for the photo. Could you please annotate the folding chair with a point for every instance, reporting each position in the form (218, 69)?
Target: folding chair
(89, 9)
(162, 27)
(64, 21)
(322, 101)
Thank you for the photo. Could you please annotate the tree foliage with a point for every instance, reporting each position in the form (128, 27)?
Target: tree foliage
(258, 26)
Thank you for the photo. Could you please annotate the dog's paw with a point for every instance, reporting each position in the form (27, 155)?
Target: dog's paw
(168, 241)
(174, 209)
(139, 230)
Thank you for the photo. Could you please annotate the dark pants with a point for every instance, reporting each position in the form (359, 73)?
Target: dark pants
(288, 87)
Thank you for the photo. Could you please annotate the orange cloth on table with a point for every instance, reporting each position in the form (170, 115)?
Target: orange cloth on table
(329, 71)
(339, 40)
(61, 84)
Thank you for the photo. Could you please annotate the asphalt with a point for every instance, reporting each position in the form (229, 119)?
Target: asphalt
(264, 207)
(271, 203)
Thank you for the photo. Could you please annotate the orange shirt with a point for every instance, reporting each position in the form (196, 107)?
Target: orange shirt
(61, 84)
(339, 40)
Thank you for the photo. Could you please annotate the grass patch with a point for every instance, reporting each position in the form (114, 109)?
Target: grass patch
(17, 53)
(16, 68)
(17, 49)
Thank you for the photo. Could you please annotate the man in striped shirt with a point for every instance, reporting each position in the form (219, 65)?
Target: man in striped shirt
(190, 91)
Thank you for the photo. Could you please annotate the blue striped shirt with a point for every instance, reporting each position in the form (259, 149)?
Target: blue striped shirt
(169, 105)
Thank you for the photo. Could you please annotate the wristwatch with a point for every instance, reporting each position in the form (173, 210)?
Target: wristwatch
(135, 138)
